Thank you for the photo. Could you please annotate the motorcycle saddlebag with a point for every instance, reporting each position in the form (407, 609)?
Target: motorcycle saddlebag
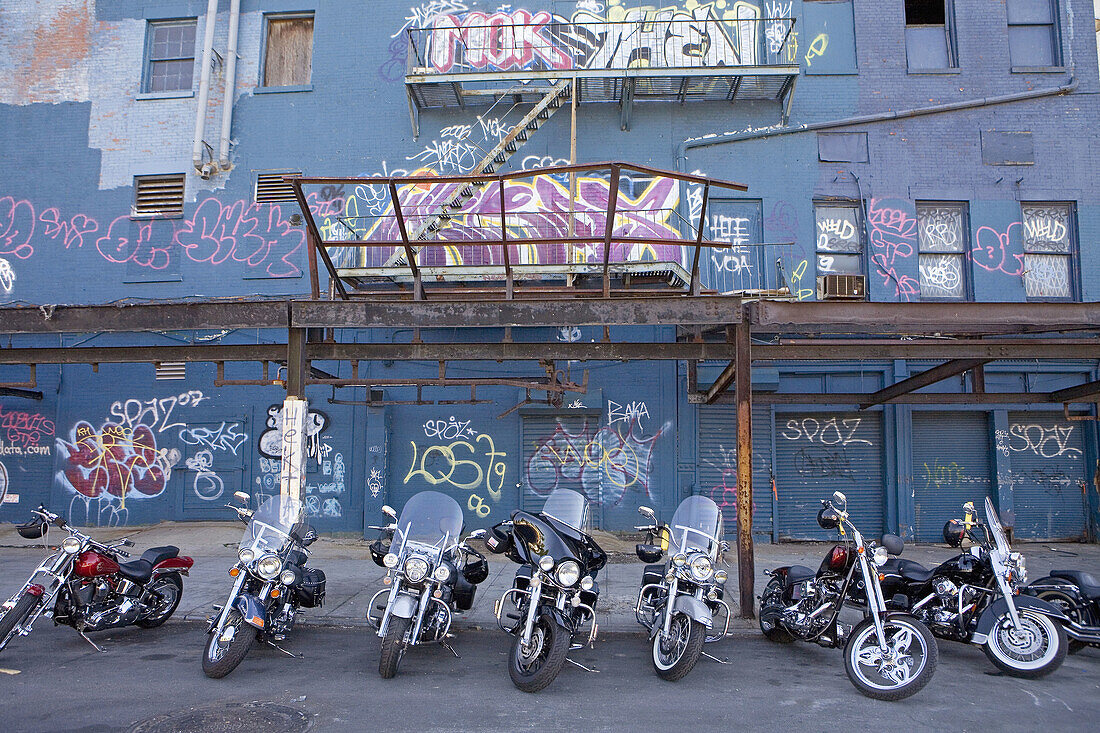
(311, 591)
(463, 593)
(476, 570)
(378, 552)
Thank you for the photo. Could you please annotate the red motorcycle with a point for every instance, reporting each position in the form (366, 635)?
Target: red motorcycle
(86, 585)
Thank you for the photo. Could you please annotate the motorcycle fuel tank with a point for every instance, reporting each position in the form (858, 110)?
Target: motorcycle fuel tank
(838, 560)
(91, 564)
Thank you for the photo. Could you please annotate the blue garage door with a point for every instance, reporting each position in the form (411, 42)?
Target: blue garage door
(951, 466)
(1047, 454)
(717, 464)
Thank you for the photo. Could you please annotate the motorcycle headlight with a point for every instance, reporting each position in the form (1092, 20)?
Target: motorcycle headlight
(720, 576)
(70, 545)
(268, 567)
(416, 569)
(679, 560)
(701, 568)
(442, 573)
(246, 556)
(390, 560)
(287, 577)
(880, 556)
(568, 573)
(546, 563)
(587, 582)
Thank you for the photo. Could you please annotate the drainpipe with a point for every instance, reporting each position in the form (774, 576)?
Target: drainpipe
(230, 85)
(762, 133)
(205, 170)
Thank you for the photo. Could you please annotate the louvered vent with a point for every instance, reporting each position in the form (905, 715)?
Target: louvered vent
(171, 370)
(158, 195)
(272, 189)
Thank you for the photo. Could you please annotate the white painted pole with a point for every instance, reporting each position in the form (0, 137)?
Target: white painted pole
(292, 473)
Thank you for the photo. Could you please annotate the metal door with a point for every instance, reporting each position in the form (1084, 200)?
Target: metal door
(1047, 456)
(717, 464)
(951, 465)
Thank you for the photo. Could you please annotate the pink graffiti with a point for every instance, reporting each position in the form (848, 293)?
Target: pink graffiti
(249, 234)
(117, 246)
(893, 235)
(25, 428)
(499, 41)
(16, 227)
(113, 461)
(990, 251)
(71, 231)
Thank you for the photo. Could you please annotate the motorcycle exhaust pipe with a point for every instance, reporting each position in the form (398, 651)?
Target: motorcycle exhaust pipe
(1077, 632)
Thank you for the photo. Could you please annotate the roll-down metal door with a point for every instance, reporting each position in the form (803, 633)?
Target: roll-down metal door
(1047, 455)
(717, 465)
(819, 453)
(951, 466)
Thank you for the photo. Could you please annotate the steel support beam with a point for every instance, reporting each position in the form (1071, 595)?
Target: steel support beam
(746, 569)
(144, 317)
(923, 379)
(913, 398)
(297, 363)
(1080, 393)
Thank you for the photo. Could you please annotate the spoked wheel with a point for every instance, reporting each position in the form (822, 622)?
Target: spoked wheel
(675, 655)
(16, 615)
(1065, 601)
(770, 602)
(535, 666)
(167, 591)
(226, 650)
(394, 645)
(1035, 649)
(902, 669)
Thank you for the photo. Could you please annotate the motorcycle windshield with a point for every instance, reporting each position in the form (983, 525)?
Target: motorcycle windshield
(269, 528)
(568, 507)
(430, 518)
(995, 528)
(696, 525)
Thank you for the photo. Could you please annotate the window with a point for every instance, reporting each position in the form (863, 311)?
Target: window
(839, 245)
(158, 196)
(169, 56)
(288, 51)
(929, 35)
(941, 234)
(1033, 33)
(1048, 251)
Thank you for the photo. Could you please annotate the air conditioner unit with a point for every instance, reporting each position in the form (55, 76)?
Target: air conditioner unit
(841, 287)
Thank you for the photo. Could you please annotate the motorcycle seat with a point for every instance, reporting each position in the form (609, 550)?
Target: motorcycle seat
(912, 570)
(1088, 585)
(799, 573)
(141, 569)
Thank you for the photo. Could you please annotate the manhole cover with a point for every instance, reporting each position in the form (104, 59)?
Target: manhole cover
(233, 717)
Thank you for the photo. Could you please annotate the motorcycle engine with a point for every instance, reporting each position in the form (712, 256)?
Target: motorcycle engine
(100, 606)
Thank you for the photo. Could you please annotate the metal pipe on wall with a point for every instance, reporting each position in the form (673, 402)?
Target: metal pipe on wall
(204, 170)
(230, 85)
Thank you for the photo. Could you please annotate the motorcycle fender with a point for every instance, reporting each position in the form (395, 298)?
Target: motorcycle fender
(179, 565)
(1000, 606)
(251, 610)
(694, 608)
(404, 606)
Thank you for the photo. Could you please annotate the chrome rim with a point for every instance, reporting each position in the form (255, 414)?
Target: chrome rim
(531, 656)
(217, 647)
(1028, 647)
(899, 664)
(668, 650)
(168, 592)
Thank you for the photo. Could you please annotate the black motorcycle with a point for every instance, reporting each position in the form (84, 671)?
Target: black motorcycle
(679, 600)
(973, 597)
(430, 574)
(1077, 595)
(272, 583)
(889, 655)
(554, 592)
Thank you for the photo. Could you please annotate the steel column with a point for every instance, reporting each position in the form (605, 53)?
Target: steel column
(746, 568)
(297, 363)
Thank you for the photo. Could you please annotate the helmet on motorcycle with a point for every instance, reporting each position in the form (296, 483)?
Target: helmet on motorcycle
(953, 532)
(828, 517)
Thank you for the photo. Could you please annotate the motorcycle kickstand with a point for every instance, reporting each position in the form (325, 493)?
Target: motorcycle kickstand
(95, 646)
(449, 648)
(578, 664)
(292, 655)
(723, 660)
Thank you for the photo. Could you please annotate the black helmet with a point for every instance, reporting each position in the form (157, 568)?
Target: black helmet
(953, 532)
(828, 517)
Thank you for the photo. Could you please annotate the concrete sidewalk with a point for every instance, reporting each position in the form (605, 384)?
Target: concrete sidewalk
(352, 577)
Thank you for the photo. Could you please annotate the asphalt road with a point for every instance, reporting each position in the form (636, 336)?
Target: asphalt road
(65, 685)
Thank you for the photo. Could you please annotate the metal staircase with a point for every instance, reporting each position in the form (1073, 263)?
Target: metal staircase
(556, 96)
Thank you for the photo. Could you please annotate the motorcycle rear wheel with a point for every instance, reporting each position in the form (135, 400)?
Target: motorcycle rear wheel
(393, 646)
(1034, 651)
(675, 656)
(15, 616)
(914, 656)
(772, 596)
(172, 587)
(1065, 600)
(218, 660)
(536, 668)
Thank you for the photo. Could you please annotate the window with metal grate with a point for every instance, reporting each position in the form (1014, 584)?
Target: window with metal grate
(158, 196)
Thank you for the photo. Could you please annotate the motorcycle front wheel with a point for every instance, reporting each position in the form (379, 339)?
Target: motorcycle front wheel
(393, 646)
(676, 654)
(169, 588)
(226, 650)
(15, 616)
(534, 667)
(1034, 650)
(905, 667)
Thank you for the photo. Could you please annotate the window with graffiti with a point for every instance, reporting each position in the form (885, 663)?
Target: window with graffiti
(839, 243)
(1048, 250)
(942, 237)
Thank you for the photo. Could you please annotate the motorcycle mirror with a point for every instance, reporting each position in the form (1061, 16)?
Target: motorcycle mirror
(245, 498)
(840, 498)
(388, 511)
(646, 511)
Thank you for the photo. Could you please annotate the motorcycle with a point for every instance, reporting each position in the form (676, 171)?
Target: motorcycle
(554, 591)
(973, 597)
(889, 655)
(86, 584)
(272, 583)
(1077, 595)
(679, 627)
(430, 575)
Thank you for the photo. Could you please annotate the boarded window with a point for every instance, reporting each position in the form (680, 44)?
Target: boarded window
(288, 51)
(169, 56)
(1033, 33)
(1048, 251)
(1007, 148)
(929, 35)
(842, 147)
(941, 229)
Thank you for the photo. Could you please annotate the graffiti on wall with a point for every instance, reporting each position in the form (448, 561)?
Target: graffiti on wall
(460, 458)
(270, 442)
(892, 232)
(1053, 441)
(7, 276)
(25, 433)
